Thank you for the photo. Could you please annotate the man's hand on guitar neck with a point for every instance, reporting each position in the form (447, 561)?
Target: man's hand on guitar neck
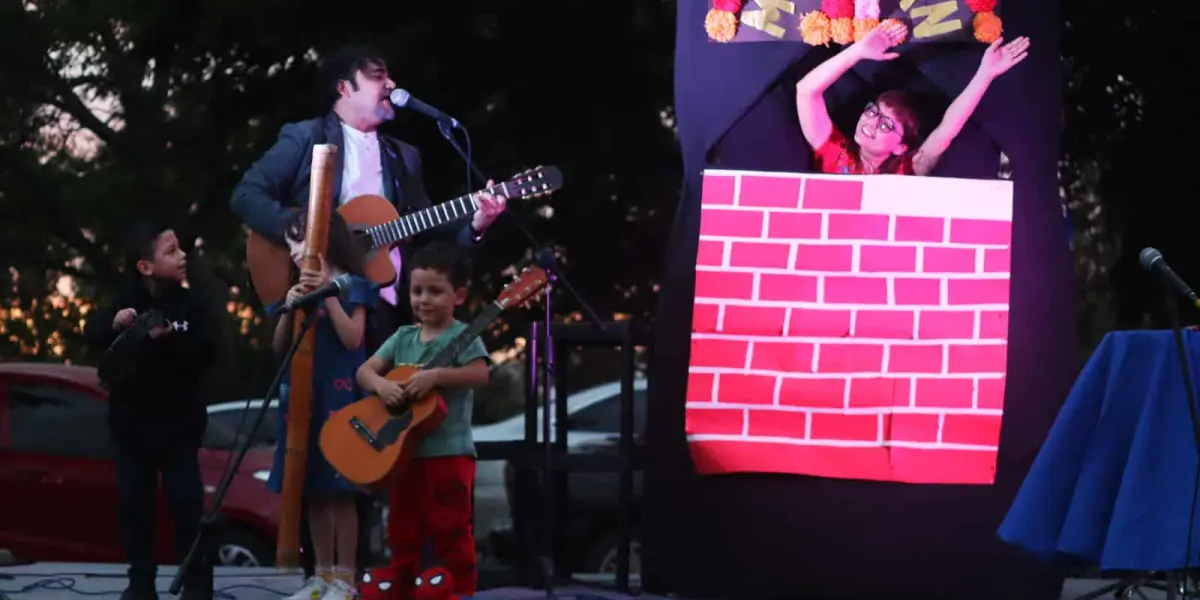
(490, 207)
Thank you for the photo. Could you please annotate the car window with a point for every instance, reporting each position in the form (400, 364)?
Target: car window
(604, 416)
(57, 420)
(227, 423)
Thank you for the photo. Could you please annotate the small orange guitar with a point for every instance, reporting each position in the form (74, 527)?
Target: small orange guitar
(369, 442)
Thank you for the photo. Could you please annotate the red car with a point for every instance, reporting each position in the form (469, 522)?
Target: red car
(58, 479)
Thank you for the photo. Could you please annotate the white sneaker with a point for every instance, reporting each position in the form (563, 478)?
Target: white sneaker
(314, 588)
(339, 590)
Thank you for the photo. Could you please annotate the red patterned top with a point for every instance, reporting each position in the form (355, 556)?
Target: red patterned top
(835, 156)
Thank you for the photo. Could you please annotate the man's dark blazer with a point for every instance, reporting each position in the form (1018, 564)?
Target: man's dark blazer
(277, 184)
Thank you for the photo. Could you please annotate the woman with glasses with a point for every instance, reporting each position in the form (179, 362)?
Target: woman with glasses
(887, 137)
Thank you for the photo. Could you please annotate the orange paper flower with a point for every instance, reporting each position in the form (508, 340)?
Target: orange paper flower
(815, 29)
(903, 28)
(842, 30)
(864, 26)
(988, 27)
(721, 25)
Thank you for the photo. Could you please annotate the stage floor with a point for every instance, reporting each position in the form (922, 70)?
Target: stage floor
(55, 581)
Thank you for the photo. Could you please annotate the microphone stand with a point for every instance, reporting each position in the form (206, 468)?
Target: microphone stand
(243, 446)
(1189, 389)
(546, 260)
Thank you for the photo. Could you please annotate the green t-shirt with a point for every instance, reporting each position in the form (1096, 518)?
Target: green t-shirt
(453, 436)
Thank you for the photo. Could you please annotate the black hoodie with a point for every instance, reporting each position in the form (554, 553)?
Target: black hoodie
(161, 406)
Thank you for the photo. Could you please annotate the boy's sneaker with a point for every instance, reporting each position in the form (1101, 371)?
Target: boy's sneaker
(313, 589)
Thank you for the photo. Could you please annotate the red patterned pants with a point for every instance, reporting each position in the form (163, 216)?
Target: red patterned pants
(432, 501)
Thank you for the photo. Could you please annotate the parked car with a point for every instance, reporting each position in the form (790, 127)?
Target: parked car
(58, 477)
(593, 502)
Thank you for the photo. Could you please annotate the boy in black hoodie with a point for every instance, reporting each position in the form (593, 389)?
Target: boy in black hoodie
(156, 415)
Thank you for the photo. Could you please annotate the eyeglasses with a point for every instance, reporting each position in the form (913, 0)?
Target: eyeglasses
(883, 122)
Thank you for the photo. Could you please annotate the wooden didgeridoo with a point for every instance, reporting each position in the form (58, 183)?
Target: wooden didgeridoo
(300, 379)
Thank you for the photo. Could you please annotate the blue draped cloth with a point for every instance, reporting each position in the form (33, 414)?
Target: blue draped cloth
(1113, 484)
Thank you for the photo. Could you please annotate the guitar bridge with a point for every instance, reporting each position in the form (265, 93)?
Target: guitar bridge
(366, 434)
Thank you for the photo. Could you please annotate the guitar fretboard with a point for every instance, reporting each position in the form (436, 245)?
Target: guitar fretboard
(446, 356)
(423, 220)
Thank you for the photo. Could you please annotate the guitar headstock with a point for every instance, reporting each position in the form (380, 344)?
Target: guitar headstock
(530, 281)
(538, 181)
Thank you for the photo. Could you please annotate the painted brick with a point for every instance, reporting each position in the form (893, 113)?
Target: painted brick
(920, 229)
(945, 324)
(818, 322)
(716, 421)
(734, 223)
(710, 253)
(983, 358)
(835, 194)
(979, 231)
(770, 192)
(746, 389)
(700, 387)
(911, 427)
(879, 392)
(896, 324)
(993, 324)
(778, 423)
(813, 393)
(787, 288)
(717, 190)
(849, 226)
(753, 320)
(794, 226)
(850, 358)
(977, 291)
(887, 259)
(704, 318)
(815, 257)
(782, 356)
(911, 291)
(997, 260)
(719, 353)
(855, 290)
(832, 426)
(724, 284)
(945, 393)
(763, 255)
(978, 430)
(947, 260)
(991, 393)
(914, 359)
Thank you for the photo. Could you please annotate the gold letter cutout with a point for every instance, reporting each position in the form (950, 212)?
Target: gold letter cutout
(932, 25)
(766, 20)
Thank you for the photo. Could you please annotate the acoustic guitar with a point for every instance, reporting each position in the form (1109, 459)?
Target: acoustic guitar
(377, 227)
(369, 442)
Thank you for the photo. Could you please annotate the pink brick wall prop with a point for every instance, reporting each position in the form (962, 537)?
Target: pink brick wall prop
(850, 327)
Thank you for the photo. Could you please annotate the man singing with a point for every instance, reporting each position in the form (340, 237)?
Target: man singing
(356, 87)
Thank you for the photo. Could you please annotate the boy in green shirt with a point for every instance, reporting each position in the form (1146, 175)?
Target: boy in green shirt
(433, 496)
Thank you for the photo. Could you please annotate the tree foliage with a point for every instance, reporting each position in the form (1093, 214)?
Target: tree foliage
(115, 109)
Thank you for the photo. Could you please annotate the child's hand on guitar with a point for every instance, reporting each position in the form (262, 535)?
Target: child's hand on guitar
(390, 392)
(420, 384)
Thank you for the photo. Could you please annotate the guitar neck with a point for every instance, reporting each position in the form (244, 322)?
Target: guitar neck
(423, 220)
(446, 356)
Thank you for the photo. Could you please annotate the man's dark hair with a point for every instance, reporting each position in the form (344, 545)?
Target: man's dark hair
(141, 242)
(445, 258)
(342, 65)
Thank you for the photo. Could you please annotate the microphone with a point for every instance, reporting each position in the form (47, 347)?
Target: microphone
(339, 284)
(1152, 260)
(403, 99)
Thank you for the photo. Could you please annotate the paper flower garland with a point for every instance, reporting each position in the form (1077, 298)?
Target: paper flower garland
(842, 22)
(721, 22)
(987, 25)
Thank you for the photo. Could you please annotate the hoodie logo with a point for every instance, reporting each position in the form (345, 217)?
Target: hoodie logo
(179, 325)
